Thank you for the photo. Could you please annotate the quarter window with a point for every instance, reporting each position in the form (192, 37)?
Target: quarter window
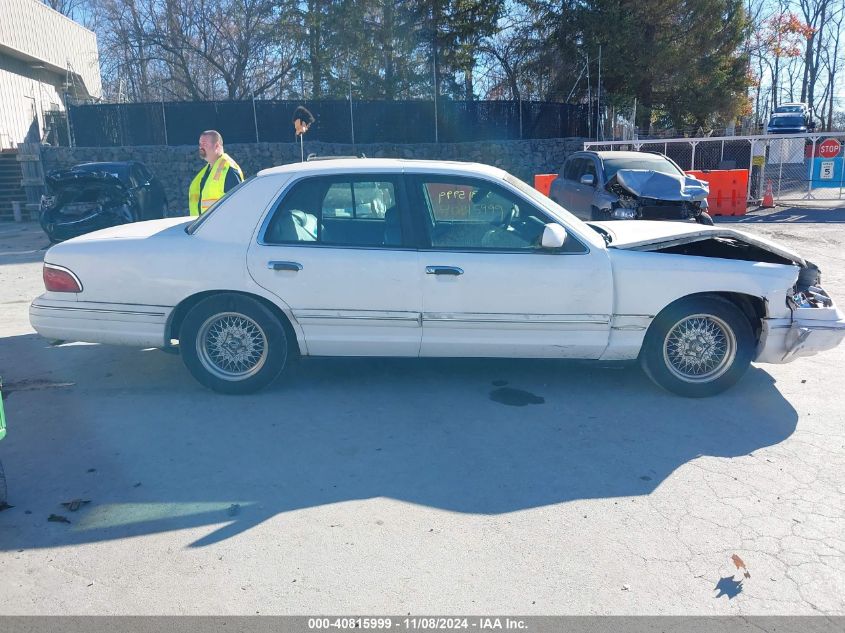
(339, 211)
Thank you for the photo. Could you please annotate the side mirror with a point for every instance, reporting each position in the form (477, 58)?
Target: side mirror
(554, 235)
(588, 179)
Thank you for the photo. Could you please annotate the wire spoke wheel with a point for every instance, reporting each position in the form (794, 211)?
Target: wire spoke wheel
(699, 348)
(232, 346)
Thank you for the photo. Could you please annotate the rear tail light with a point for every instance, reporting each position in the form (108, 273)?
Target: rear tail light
(59, 279)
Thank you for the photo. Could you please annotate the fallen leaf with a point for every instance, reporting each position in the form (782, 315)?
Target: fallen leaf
(738, 562)
(58, 518)
(75, 504)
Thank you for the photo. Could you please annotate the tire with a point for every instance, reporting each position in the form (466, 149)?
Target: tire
(719, 324)
(260, 338)
(704, 218)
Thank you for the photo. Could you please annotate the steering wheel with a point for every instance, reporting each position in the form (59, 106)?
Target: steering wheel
(509, 216)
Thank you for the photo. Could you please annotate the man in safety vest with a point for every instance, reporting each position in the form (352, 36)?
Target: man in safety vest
(215, 179)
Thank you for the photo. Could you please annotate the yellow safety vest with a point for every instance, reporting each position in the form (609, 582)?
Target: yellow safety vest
(199, 201)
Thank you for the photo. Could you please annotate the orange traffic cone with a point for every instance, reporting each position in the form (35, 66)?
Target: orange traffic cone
(768, 197)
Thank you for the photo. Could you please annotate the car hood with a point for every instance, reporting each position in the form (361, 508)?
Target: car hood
(645, 183)
(647, 236)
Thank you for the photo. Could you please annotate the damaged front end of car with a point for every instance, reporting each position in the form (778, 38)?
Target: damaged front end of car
(801, 320)
(80, 202)
(640, 194)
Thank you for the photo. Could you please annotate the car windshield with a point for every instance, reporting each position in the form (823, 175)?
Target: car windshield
(787, 121)
(118, 170)
(790, 108)
(650, 163)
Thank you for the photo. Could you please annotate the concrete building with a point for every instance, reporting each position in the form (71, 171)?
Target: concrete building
(45, 59)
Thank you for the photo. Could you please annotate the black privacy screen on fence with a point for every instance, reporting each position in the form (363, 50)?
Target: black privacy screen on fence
(180, 123)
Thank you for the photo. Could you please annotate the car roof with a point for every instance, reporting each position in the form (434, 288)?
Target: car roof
(383, 164)
(621, 154)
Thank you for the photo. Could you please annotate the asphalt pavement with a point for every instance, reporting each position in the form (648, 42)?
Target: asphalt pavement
(367, 486)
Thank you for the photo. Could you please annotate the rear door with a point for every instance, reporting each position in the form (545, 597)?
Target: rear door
(338, 250)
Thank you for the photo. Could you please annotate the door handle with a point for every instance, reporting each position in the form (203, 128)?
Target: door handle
(292, 266)
(443, 270)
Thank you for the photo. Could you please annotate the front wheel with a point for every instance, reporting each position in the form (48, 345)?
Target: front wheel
(704, 218)
(233, 344)
(698, 346)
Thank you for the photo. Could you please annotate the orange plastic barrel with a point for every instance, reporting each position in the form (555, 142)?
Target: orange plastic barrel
(728, 190)
(543, 182)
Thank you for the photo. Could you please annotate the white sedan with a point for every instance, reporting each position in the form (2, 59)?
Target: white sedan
(377, 257)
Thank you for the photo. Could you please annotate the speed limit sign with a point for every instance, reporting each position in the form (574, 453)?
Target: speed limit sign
(826, 170)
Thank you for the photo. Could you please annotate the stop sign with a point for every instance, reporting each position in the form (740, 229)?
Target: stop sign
(829, 148)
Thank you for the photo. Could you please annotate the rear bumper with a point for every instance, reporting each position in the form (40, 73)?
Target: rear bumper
(785, 340)
(62, 228)
(111, 323)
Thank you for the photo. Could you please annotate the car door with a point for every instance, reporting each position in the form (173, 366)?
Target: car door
(155, 193)
(581, 195)
(489, 289)
(338, 251)
(559, 190)
(141, 192)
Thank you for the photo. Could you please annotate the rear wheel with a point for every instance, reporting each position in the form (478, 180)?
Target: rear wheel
(698, 346)
(233, 344)
(704, 218)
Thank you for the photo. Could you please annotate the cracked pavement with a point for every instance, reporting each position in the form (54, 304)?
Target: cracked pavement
(402, 486)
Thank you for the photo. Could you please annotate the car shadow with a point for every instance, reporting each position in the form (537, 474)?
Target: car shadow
(788, 215)
(153, 451)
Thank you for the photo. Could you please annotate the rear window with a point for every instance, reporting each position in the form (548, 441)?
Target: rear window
(118, 170)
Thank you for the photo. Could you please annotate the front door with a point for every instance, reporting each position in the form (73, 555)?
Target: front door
(488, 287)
(334, 251)
(580, 195)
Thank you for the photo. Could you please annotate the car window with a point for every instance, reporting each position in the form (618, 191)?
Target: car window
(588, 167)
(143, 173)
(572, 168)
(342, 211)
(136, 178)
(469, 214)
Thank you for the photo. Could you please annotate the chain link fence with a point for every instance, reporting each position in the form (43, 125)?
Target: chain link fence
(797, 167)
(337, 121)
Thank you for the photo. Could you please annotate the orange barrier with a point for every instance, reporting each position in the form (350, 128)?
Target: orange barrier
(728, 190)
(543, 182)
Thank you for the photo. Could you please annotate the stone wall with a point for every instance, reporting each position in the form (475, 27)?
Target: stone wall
(176, 166)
